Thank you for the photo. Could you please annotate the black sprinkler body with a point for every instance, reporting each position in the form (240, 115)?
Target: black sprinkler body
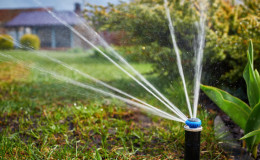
(192, 139)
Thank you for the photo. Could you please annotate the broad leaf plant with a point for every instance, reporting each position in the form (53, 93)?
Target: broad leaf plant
(244, 115)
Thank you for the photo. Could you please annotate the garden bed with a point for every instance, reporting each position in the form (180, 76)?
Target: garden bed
(233, 129)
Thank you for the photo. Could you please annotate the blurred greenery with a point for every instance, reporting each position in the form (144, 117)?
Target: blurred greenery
(30, 41)
(6, 42)
(229, 27)
(246, 116)
(134, 53)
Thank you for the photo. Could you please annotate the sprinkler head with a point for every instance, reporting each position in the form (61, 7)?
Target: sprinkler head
(193, 123)
(192, 139)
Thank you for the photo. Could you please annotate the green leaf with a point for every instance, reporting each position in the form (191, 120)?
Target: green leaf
(250, 134)
(252, 79)
(257, 79)
(251, 53)
(253, 124)
(235, 108)
(98, 156)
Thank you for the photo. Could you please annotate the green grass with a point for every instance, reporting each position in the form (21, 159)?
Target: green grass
(42, 118)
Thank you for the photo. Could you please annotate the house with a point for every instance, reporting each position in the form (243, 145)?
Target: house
(52, 33)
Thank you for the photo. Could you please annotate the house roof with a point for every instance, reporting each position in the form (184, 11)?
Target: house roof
(43, 18)
(8, 14)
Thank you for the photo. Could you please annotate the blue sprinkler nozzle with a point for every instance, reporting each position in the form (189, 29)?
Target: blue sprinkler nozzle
(193, 122)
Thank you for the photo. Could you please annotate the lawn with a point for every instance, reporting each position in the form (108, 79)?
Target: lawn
(43, 118)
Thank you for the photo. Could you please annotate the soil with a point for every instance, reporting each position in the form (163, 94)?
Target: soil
(234, 129)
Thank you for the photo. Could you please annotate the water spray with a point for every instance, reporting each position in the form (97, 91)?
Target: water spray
(192, 139)
(193, 125)
(146, 86)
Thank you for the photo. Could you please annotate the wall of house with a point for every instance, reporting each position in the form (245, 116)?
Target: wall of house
(63, 38)
(77, 41)
(44, 33)
(54, 36)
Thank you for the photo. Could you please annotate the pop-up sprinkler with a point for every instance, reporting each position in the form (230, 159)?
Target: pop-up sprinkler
(192, 139)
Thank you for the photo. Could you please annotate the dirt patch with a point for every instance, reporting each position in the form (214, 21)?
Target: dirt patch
(233, 128)
(135, 116)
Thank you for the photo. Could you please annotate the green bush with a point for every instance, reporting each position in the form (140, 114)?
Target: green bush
(6, 42)
(135, 53)
(163, 59)
(97, 54)
(245, 116)
(228, 32)
(30, 41)
(228, 28)
(147, 29)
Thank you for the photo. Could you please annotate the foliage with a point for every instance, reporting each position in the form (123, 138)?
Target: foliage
(246, 117)
(234, 107)
(130, 53)
(6, 42)
(146, 27)
(253, 133)
(97, 54)
(144, 22)
(135, 53)
(229, 27)
(30, 41)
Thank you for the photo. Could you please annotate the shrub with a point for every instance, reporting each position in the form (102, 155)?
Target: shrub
(30, 41)
(135, 53)
(97, 54)
(164, 61)
(6, 42)
(246, 116)
(228, 26)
